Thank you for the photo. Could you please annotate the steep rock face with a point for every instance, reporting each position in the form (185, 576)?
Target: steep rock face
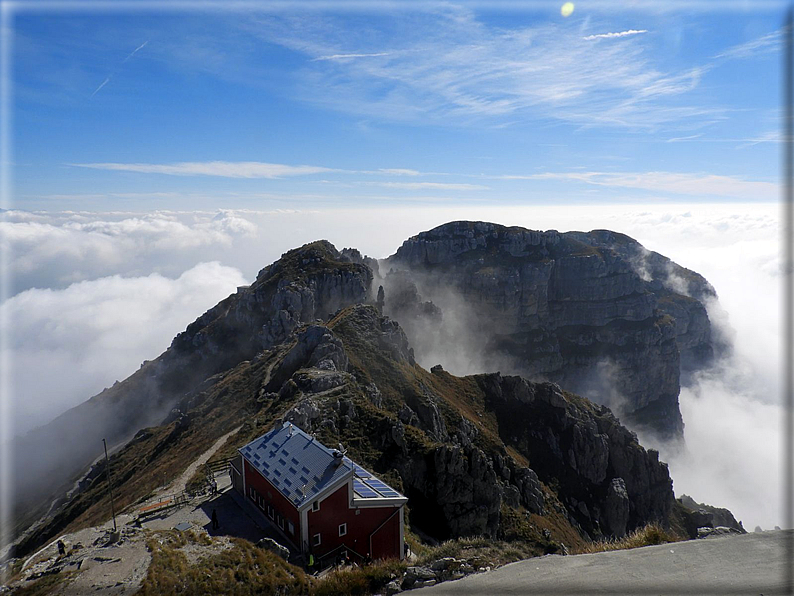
(682, 293)
(608, 483)
(596, 461)
(456, 477)
(305, 284)
(581, 310)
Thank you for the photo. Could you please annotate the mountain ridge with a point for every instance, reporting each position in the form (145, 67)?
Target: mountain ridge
(286, 335)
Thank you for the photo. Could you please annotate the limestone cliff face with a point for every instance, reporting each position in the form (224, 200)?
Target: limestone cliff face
(682, 293)
(455, 470)
(596, 312)
(609, 482)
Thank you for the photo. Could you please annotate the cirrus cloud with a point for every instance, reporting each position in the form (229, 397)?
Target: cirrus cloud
(615, 34)
(225, 169)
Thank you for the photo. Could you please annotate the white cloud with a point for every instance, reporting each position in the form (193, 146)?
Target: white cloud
(615, 34)
(66, 345)
(350, 56)
(400, 172)
(225, 169)
(53, 250)
(771, 42)
(430, 185)
(669, 182)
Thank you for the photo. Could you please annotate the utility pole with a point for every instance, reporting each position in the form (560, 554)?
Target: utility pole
(110, 485)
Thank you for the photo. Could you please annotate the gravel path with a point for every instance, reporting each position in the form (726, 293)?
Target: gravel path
(179, 484)
(105, 567)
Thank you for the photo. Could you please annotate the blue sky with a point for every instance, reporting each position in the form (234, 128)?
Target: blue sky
(426, 104)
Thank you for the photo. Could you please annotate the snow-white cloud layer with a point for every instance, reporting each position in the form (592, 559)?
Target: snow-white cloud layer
(54, 250)
(67, 345)
(90, 329)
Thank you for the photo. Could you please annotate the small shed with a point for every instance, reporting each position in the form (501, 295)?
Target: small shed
(320, 501)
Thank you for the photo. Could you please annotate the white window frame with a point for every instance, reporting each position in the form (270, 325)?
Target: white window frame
(291, 527)
(343, 529)
(317, 540)
(271, 512)
(316, 506)
(281, 521)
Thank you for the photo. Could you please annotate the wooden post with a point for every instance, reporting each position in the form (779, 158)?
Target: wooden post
(110, 485)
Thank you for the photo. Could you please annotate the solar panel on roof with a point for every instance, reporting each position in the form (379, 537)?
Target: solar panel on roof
(383, 488)
(361, 472)
(363, 490)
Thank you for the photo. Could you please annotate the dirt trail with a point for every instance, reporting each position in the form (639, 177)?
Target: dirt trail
(178, 485)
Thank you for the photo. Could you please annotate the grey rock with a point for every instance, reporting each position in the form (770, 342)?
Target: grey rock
(707, 515)
(274, 547)
(706, 532)
(558, 306)
(615, 512)
(414, 575)
(442, 564)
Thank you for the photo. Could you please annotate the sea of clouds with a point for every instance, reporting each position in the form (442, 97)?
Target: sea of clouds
(95, 294)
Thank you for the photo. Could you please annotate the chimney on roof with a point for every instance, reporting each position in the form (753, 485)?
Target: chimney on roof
(338, 456)
(290, 429)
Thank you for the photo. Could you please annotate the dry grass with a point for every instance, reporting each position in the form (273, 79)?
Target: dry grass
(480, 551)
(359, 581)
(45, 585)
(649, 535)
(243, 570)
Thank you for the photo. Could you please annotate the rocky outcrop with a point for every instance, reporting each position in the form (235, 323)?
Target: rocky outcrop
(702, 517)
(595, 313)
(583, 447)
(308, 283)
(456, 480)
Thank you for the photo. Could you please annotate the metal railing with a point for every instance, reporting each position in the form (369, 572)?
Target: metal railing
(332, 557)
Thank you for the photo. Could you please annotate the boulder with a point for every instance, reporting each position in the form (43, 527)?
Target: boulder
(274, 547)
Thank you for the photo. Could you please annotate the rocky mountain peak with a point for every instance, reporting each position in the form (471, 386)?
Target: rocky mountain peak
(595, 312)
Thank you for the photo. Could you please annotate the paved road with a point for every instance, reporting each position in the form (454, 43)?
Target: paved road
(749, 564)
